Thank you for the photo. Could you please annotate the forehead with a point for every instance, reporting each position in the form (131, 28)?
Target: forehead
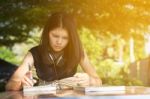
(61, 31)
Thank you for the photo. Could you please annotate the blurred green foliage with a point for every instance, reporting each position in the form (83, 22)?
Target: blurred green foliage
(111, 71)
(7, 54)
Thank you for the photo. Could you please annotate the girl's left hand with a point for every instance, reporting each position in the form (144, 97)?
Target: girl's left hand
(95, 81)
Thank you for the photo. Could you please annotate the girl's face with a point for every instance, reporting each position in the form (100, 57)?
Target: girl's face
(58, 39)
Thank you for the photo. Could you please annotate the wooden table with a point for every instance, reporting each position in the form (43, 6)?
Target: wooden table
(131, 92)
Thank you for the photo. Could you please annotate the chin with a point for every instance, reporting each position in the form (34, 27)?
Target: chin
(57, 50)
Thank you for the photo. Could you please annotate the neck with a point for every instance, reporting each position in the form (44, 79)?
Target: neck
(56, 54)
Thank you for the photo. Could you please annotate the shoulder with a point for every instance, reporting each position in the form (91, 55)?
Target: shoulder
(34, 50)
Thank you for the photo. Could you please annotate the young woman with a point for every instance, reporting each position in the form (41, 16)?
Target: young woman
(56, 57)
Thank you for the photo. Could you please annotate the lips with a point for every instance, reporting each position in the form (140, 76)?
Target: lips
(58, 47)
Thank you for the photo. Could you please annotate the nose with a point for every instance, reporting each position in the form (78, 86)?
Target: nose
(59, 41)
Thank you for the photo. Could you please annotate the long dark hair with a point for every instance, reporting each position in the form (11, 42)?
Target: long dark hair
(73, 51)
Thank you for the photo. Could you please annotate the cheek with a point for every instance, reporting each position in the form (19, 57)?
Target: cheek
(51, 41)
(51, 38)
(66, 43)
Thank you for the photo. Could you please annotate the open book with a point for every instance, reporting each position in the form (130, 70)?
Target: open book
(42, 89)
(102, 90)
(50, 87)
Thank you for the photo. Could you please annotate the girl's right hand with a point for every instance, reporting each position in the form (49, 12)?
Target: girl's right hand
(27, 81)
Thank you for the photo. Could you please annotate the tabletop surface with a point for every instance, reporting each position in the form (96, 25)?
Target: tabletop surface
(131, 92)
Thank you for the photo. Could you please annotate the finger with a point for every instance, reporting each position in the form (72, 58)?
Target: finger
(29, 81)
(29, 74)
(94, 82)
(34, 81)
(25, 83)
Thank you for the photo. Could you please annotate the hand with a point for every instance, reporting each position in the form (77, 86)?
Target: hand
(27, 79)
(95, 81)
(82, 79)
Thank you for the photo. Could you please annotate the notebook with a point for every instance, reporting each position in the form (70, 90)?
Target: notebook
(102, 90)
(42, 89)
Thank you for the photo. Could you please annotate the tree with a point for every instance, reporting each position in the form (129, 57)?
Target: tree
(123, 17)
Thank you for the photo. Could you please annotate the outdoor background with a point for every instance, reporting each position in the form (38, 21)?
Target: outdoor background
(114, 33)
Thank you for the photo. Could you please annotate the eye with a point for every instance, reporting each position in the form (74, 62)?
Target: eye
(65, 38)
(56, 36)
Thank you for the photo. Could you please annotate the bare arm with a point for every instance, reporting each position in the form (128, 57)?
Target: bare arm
(19, 77)
(89, 69)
